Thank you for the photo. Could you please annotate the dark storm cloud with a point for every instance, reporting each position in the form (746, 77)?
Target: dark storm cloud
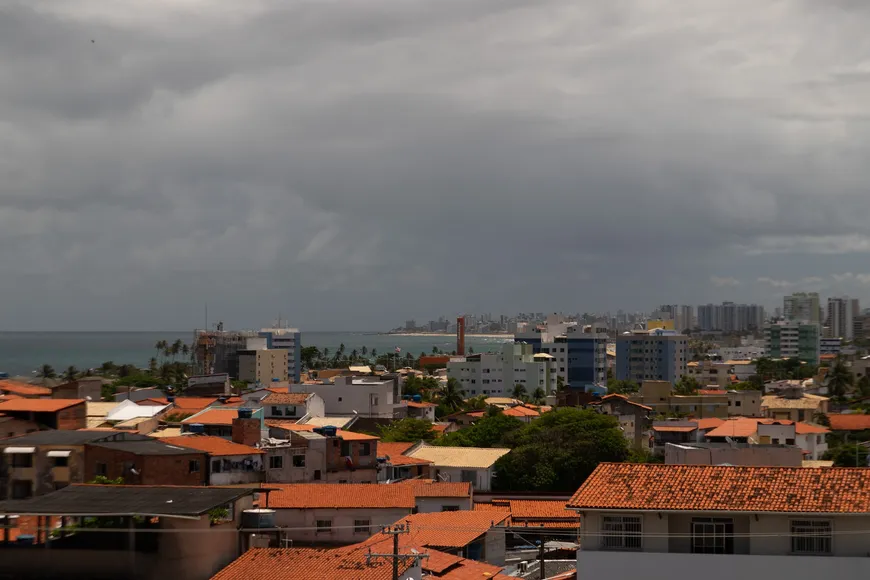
(354, 164)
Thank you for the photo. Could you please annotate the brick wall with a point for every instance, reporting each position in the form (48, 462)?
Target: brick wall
(73, 418)
(246, 431)
(336, 460)
(153, 469)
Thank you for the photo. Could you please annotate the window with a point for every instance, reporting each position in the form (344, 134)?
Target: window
(712, 536)
(450, 508)
(324, 526)
(276, 411)
(61, 461)
(22, 460)
(276, 462)
(365, 449)
(345, 448)
(361, 526)
(811, 536)
(21, 489)
(193, 466)
(468, 476)
(298, 461)
(737, 403)
(316, 475)
(621, 533)
(101, 469)
(216, 466)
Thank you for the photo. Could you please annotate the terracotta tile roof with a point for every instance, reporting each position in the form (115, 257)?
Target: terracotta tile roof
(737, 427)
(24, 389)
(285, 398)
(9, 396)
(712, 392)
(673, 429)
(624, 398)
(417, 405)
(469, 457)
(212, 445)
(709, 423)
(541, 509)
(725, 488)
(188, 404)
(297, 563)
(39, 405)
(440, 427)
(214, 417)
(806, 402)
(804, 428)
(361, 495)
(395, 450)
(520, 411)
(493, 506)
(446, 529)
(850, 422)
(464, 570)
(341, 433)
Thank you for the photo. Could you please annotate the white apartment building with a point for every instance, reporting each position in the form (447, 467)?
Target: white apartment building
(661, 522)
(840, 322)
(801, 307)
(496, 374)
(289, 339)
(363, 396)
(743, 352)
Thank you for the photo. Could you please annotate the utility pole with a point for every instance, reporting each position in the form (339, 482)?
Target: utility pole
(395, 530)
(541, 558)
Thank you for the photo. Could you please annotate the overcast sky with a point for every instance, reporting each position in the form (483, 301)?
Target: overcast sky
(352, 164)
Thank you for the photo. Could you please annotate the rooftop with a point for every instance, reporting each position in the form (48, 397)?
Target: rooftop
(211, 445)
(96, 500)
(296, 563)
(849, 422)
(184, 404)
(673, 428)
(807, 401)
(395, 452)
(361, 495)
(214, 417)
(146, 446)
(24, 389)
(534, 513)
(38, 405)
(454, 529)
(65, 437)
(334, 421)
(285, 398)
(310, 427)
(725, 488)
(126, 410)
(469, 457)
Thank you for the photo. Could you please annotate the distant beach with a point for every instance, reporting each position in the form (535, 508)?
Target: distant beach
(452, 335)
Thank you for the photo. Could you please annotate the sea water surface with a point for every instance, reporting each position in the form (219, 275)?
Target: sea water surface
(21, 353)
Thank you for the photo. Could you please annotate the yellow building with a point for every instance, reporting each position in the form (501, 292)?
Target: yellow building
(663, 324)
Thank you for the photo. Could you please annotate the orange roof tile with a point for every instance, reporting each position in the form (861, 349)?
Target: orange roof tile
(24, 389)
(520, 411)
(39, 405)
(9, 396)
(188, 404)
(709, 423)
(360, 495)
(624, 398)
(712, 392)
(419, 405)
(341, 433)
(541, 509)
(440, 427)
(446, 529)
(296, 563)
(214, 417)
(725, 488)
(849, 422)
(212, 445)
(285, 398)
(804, 428)
(737, 427)
(395, 450)
(673, 429)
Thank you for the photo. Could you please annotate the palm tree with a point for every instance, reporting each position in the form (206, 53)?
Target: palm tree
(107, 367)
(470, 350)
(125, 370)
(46, 372)
(326, 353)
(519, 392)
(375, 354)
(364, 350)
(353, 355)
(185, 350)
(167, 352)
(166, 371)
(539, 396)
(176, 348)
(70, 373)
(452, 394)
(152, 366)
(160, 346)
(840, 380)
(435, 350)
(341, 348)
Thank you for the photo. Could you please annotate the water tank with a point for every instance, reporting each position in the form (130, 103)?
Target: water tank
(245, 413)
(197, 428)
(418, 399)
(329, 431)
(276, 380)
(170, 398)
(25, 540)
(258, 518)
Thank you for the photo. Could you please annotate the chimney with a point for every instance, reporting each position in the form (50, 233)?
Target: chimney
(246, 430)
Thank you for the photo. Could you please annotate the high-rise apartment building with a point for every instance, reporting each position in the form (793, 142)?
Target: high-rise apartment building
(289, 339)
(841, 315)
(801, 307)
(730, 317)
(655, 355)
(496, 374)
(793, 340)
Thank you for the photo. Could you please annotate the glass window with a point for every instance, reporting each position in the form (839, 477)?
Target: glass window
(361, 526)
(621, 533)
(193, 466)
(298, 461)
(324, 526)
(712, 536)
(811, 536)
(276, 462)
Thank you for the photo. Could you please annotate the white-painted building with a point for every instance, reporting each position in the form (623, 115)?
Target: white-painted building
(661, 522)
(743, 352)
(364, 396)
(498, 373)
(466, 464)
(289, 339)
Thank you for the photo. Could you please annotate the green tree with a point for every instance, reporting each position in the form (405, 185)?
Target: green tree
(493, 430)
(126, 370)
(435, 350)
(864, 386)
(107, 367)
(560, 384)
(519, 392)
(621, 387)
(850, 455)
(46, 372)
(70, 373)
(185, 350)
(309, 354)
(686, 386)
(160, 346)
(840, 380)
(407, 430)
(103, 480)
(452, 395)
(364, 350)
(375, 353)
(558, 451)
(539, 396)
(152, 365)
(176, 347)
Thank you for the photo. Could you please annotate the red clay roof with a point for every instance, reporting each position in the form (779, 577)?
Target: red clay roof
(285, 398)
(297, 563)
(214, 417)
(533, 513)
(184, 404)
(725, 488)
(447, 529)
(361, 495)
(712, 392)
(341, 433)
(24, 389)
(520, 411)
(212, 445)
(626, 399)
(738, 427)
(420, 405)
(39, 405)
(850, 422)
(709, 423)
(673, 428)
(395, 450)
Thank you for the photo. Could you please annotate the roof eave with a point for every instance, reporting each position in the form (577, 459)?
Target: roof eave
(695, 511)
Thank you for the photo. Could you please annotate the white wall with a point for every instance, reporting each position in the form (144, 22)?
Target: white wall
(368, 398)
(635, 565)
(236, 474)
(427, 505)
(342, 523)
(482, 478)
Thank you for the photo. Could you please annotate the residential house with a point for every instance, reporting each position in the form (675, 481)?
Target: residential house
(674, 432)
(670, 521)
(534, 517)
(811, 439)
(368, 396)
(228, 463)
(13, 426)
(89, 388)
(24, 390)
(634, 420)
(195, 536)
(48, 413)
(178, 409)
(496, 373)
(44, 461)
(791, 404)
(466, 464)
(394, 465)
(326, 513)
(742, 369)
(292, 406)
(145, 461)
(744, 403)
(419, 410)
(708, 373)
(851, 422)
(263, 365)
(307, 453)
(218, 421)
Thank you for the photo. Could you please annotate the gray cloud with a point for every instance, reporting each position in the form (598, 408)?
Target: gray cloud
(353, 165)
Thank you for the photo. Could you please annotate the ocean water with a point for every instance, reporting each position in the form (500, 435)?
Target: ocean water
(23, 352)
